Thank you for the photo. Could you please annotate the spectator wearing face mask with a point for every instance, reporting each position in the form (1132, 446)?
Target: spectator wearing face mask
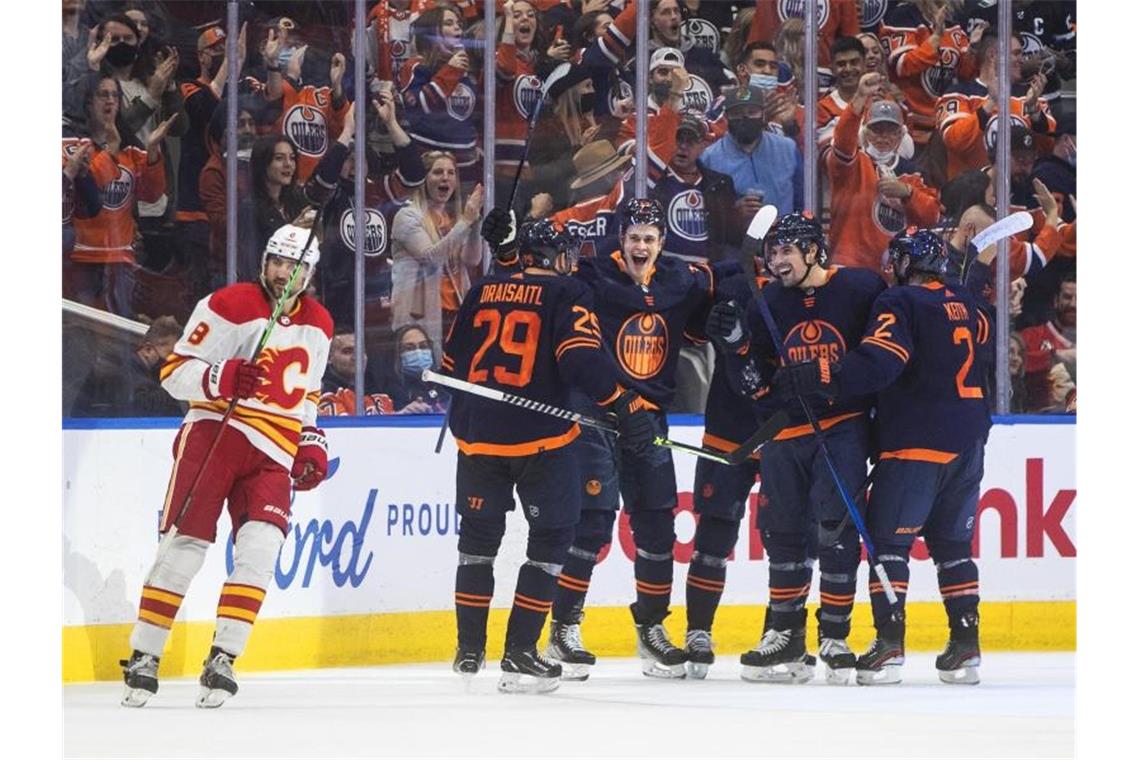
(875, 192)
(212, 178)
(764, 167)
(838, 17)
(414, 353)
(759, 66)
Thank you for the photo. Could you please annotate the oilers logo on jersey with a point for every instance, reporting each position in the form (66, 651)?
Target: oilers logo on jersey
(888, 217)
(526, 93)
(697, 97)
(461, 102)
(687, 216)
(938, 78)
(699, 33)
(643, 345)
(119, 190)
(375, 231)
(622, 92)
(786, 9)
(306, 128)
(814, 339)
(873, 13)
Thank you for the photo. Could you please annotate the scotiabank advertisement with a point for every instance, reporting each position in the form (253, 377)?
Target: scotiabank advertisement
(380, 534)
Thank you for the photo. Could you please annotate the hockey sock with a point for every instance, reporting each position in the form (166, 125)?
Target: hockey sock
(165, 586)
(593, 533)
(534, 593)
(789, 580)
(713, 542)
(958, 583)
(889, 624)
(838, 562)
(653, 566)
(256, 546)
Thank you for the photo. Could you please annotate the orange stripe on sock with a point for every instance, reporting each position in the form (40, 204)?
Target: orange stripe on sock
(465, 603)
(532, 600)
(705, 585)
(472, 597)
(574, 584)
(957, 586)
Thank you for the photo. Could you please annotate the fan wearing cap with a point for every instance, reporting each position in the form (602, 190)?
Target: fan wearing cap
(600, 173)
(261, 415)
(875, 193)
(1058, 170)
(968, 112)
(765, 167)
(923, 355)
(645, 304)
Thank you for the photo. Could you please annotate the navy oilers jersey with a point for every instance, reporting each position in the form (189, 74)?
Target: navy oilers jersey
(924, 352)
(643, 327)
(823, 322)
(534, 336)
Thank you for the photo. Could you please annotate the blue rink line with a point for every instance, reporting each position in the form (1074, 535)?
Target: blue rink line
(434, 421)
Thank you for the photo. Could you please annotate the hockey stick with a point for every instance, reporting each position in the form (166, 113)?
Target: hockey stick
(736, 456)
(559, 72)
(1003, 228)
(278, 307)
(443, 427)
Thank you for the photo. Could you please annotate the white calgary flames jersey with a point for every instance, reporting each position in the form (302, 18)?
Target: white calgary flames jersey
(227, 324)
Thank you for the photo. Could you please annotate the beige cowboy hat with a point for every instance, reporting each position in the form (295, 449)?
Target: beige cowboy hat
(595, 160)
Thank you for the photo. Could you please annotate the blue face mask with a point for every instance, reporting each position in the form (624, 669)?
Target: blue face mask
(414, 362)
(763, 81)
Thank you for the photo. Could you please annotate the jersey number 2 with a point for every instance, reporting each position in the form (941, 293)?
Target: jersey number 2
(962, 335)
(503, 330)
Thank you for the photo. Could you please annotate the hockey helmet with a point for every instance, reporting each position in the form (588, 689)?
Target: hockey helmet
(289, 242)
(798, 230)
(541, 241)
(917, 250)
(641, 211)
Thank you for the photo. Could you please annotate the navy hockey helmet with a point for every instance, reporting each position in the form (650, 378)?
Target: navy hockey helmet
(799, 230)
(917, 250)
(541, 241)
(641, 211)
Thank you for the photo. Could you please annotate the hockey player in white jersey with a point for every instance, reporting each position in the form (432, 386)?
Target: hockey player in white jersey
(247, 457)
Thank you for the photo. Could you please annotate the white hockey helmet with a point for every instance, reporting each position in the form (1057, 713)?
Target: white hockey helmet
(287, 242)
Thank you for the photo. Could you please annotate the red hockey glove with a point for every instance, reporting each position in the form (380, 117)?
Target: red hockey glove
(232, 378)
(312, 461)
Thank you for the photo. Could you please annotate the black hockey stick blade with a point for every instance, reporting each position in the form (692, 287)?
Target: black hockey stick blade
(769, 430)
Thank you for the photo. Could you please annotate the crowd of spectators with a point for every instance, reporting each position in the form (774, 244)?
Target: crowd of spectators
(905, 131)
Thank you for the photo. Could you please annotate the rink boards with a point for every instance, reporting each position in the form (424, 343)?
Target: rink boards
(366, 573)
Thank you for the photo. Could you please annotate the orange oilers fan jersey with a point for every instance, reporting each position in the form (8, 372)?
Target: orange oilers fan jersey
(227, 324)
(862, 221)
(517, 90)
(924, 73)
(310, 121)
(124, 179)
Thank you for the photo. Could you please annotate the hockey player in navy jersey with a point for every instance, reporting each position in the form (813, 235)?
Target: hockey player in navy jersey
(819, 310)
(529, 331)
(646, 303)
(922, 354)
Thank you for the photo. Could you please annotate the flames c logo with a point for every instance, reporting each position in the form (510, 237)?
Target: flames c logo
(284, 382)
(642, 345)
(814, 339)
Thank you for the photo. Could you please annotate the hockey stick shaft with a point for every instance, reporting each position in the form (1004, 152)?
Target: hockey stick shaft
(817, 431)
(558, 72)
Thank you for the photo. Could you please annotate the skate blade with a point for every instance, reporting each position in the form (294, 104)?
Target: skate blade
(889, 675)
(697, 670)
(135, 697)
(837, 676)
(965, 676)
(211, 698)
(785, 673)
(572, 672)
(654, 669)
(517, 683)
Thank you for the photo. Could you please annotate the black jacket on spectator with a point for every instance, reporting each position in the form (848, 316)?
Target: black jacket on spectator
(1061, 178)
(123, 386)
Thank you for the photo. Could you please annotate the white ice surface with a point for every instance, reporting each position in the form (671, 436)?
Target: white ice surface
(1024, 708)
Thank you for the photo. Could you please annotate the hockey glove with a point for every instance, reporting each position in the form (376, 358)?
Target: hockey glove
(499, 227)
(636, 429)
(725, 326)
(312, 461)
(232, 378)
(806, 379)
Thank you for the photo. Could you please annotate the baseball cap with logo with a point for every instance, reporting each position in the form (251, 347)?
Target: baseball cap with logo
(885, 111)
(750, 95)
(666, 56)
(694, 125)
(211, 37)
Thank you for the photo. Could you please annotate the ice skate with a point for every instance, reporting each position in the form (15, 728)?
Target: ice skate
(838, 661)
(881, 664)
(218, 682)
(659, 657)
(525, 672)
(780, 657)
(958, 663)
(698, 646)
(565, 647)
(468, 661)
(140, 674)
